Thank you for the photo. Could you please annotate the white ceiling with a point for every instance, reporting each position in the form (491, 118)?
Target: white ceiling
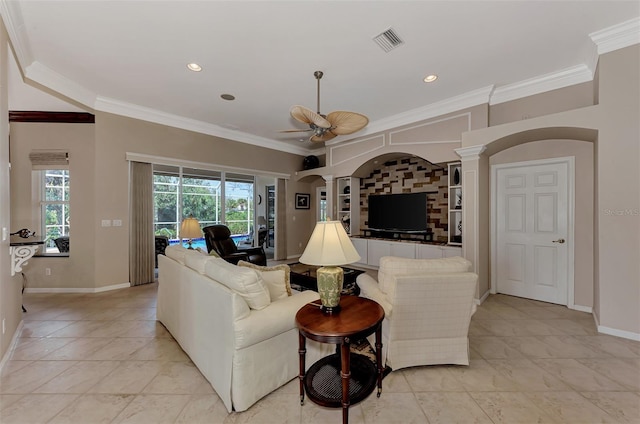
(129, 57)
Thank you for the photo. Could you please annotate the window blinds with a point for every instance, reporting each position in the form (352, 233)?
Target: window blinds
(49, 159)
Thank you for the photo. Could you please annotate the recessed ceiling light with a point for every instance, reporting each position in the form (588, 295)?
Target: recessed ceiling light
(430, 78)
(228, 96)
(194, 67)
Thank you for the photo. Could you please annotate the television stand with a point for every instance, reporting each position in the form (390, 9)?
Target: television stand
(398, 234)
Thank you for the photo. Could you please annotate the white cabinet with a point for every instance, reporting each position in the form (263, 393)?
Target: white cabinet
(361, 246)
(380, 248)
(450, 251)
(455, 203)
(371, 250)
(428, 251)
(348, 204)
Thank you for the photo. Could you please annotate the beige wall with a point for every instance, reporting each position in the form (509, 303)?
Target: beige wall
(99, 172)
(583, 220)
(613, 126)
(618, 185)
(10, 287)
(554, 101)
(77, 270)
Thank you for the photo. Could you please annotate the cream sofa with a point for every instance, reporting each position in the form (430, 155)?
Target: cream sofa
(428, 306)
(222, 315)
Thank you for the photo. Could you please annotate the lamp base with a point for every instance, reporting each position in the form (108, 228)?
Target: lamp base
(328, 310)
(330, 280)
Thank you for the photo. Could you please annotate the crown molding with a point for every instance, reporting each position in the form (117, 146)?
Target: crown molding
(618, 36)
(49, 78)
(13, 22)
(541, 84)
(450, 105)
(117, 107)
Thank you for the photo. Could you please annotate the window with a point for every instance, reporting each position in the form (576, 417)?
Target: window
(180, 192)
(55, 209)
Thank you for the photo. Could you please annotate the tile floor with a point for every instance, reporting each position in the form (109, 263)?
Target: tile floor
(102, 358)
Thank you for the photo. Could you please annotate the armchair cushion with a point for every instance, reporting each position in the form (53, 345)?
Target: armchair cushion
(276, 278)
(244, 281)
(391, 267)
(369, 288)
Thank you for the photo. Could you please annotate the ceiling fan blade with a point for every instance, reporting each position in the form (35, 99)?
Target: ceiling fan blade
(326, 136)
(307, 116)
(343, 122)
(292, 131)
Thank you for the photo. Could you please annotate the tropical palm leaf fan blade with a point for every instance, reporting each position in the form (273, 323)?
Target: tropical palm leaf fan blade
(325, 128)
(343, 122)
(302, 114)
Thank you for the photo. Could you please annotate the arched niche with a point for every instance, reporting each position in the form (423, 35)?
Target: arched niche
(476, 183)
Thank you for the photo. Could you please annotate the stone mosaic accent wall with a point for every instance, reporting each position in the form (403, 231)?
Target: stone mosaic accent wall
(410, 175)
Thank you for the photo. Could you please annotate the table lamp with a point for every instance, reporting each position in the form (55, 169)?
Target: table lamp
(190, 229)
(329, 247)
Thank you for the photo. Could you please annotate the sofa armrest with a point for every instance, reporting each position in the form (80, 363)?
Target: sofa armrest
(277, 318)
(370, 289)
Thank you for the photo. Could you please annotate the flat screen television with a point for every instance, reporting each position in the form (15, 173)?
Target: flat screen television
(398, 212)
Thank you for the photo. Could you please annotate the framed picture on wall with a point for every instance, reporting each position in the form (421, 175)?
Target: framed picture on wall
(303, 201)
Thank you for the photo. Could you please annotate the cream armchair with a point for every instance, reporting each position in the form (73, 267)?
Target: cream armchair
(428, 306)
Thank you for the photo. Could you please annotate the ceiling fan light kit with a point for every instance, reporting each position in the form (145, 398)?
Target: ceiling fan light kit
(326, 127)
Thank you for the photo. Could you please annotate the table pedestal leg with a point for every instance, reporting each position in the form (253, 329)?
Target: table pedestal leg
(345, 374)
(302, 352)
(379, 363)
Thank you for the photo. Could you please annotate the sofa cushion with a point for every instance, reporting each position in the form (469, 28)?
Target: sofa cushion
(176, 252)
(276, 278)
(244, 281)
(196, 260)
(391, 266)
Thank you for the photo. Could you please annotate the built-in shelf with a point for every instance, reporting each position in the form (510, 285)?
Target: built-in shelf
(348, 204)
(455, 203)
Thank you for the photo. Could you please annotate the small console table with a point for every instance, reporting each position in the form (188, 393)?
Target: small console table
(21, 250)
(358, 317)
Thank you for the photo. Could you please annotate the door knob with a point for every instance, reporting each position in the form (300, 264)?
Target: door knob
(559, 241)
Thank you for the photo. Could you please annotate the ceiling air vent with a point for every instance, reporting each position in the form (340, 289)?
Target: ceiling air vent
(388, 40)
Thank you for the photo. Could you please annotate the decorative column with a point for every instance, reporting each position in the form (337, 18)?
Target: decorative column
(475, 215)
(331, 198)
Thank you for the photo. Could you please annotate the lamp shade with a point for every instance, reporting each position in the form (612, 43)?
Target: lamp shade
(329, 245)
(190, 228)
(262, 220)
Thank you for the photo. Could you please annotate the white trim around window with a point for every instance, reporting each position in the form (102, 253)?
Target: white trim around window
(161, 160)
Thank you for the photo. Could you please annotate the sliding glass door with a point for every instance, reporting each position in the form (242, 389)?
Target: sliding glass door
(212, 197)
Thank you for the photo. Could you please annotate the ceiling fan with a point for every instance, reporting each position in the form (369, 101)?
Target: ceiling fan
(326, 127)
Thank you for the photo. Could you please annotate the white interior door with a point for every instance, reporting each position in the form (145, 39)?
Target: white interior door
(533, 229)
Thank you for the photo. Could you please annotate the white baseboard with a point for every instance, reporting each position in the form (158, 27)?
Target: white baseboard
(619, 333)
(483, 297)
(12, 345)
(76, 289)
(587, 309)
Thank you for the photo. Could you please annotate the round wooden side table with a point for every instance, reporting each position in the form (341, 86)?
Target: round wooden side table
(344, 378)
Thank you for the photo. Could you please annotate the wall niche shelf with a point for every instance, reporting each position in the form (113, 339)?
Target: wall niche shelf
(348, 204)
(455, 203)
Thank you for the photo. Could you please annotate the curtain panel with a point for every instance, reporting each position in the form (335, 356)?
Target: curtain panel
(141, 239)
